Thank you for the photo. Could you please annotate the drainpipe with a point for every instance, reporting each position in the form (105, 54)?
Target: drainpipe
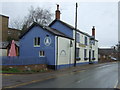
(56, 52)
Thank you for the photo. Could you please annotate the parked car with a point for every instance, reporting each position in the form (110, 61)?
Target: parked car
(113, 58)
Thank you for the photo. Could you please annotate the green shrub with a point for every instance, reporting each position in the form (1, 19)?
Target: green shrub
(13, 70)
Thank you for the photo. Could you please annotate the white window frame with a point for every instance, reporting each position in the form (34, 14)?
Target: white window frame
(40, 54)
(86, 40)
(78, 52)
(78, 37)
(9, 32)
(85, 53)
(93, 53)
(37, 42)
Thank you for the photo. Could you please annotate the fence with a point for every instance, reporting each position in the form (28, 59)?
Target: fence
(6, 60)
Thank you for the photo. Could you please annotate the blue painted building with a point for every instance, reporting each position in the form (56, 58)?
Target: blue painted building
(86, 45)
(41, 41)
(56, 44)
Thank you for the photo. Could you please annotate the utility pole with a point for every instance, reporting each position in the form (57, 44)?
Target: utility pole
(75, 33)
(119, 51)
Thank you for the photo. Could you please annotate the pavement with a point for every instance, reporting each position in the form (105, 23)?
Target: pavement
(118, 85)
(20, 80)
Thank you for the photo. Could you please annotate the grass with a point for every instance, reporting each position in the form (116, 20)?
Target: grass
(15, 70)
(10, 70)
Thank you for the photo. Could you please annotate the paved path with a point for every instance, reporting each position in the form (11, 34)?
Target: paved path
(87, 76)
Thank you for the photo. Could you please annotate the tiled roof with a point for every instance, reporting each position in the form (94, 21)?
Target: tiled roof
(106, 51)
(49, 29)
(4, 15)
(69, 26)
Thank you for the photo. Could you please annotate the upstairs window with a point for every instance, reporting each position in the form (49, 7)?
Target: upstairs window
(86, 42)
(9, 32)
(37, 41)
(77, 37)
(94, 42)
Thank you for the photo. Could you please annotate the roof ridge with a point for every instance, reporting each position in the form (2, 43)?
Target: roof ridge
(49, 29)
(70, 26)
(77, 29)
(57, 30)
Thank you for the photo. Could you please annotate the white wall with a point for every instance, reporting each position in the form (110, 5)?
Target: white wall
(88, 47)
(65, 52)
(82, 47)
(95, 48)
(68, 56)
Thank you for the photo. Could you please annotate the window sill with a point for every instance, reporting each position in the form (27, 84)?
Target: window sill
(78, 58)
(36, 46)
(85, 59)
(86, 45)
(41, 56)
(93, 58)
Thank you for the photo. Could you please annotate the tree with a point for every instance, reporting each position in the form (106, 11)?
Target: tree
(17, 24)
(39, 15)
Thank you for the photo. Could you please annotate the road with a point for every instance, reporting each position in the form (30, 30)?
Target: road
(104, 76)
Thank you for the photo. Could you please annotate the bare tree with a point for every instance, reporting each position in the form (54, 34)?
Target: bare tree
(40, 15)
(17, 24)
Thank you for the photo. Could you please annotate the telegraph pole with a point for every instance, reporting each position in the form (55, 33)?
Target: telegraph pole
(119, 51)
(75, 33)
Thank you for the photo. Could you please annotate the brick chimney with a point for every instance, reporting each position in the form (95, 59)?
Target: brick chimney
(57, 13)
(93, 31)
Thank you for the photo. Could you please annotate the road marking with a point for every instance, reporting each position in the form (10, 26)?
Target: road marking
(7, 74)
(116, 84)
(34, 81)
(26, 83)
(103, 66)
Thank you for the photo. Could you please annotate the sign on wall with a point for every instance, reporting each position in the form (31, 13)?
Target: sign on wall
(47, 41)
(63, 53)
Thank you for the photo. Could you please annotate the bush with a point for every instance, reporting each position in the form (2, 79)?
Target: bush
(13, 70)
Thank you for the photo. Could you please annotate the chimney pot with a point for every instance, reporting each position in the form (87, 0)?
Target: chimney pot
(93, 31)
(57, 7)
(57, 15)
(93, 27)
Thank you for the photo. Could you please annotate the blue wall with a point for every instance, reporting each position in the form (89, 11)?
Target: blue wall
(62, 28)
(17, 60)
(27, 48)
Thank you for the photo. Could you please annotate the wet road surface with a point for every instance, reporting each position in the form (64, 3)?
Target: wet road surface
(105, 76)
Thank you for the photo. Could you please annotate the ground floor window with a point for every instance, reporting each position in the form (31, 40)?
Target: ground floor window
(85, 53)
(41, 53)
(93, 54)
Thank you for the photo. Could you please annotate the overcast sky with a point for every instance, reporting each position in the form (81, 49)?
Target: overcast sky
(102, 15)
